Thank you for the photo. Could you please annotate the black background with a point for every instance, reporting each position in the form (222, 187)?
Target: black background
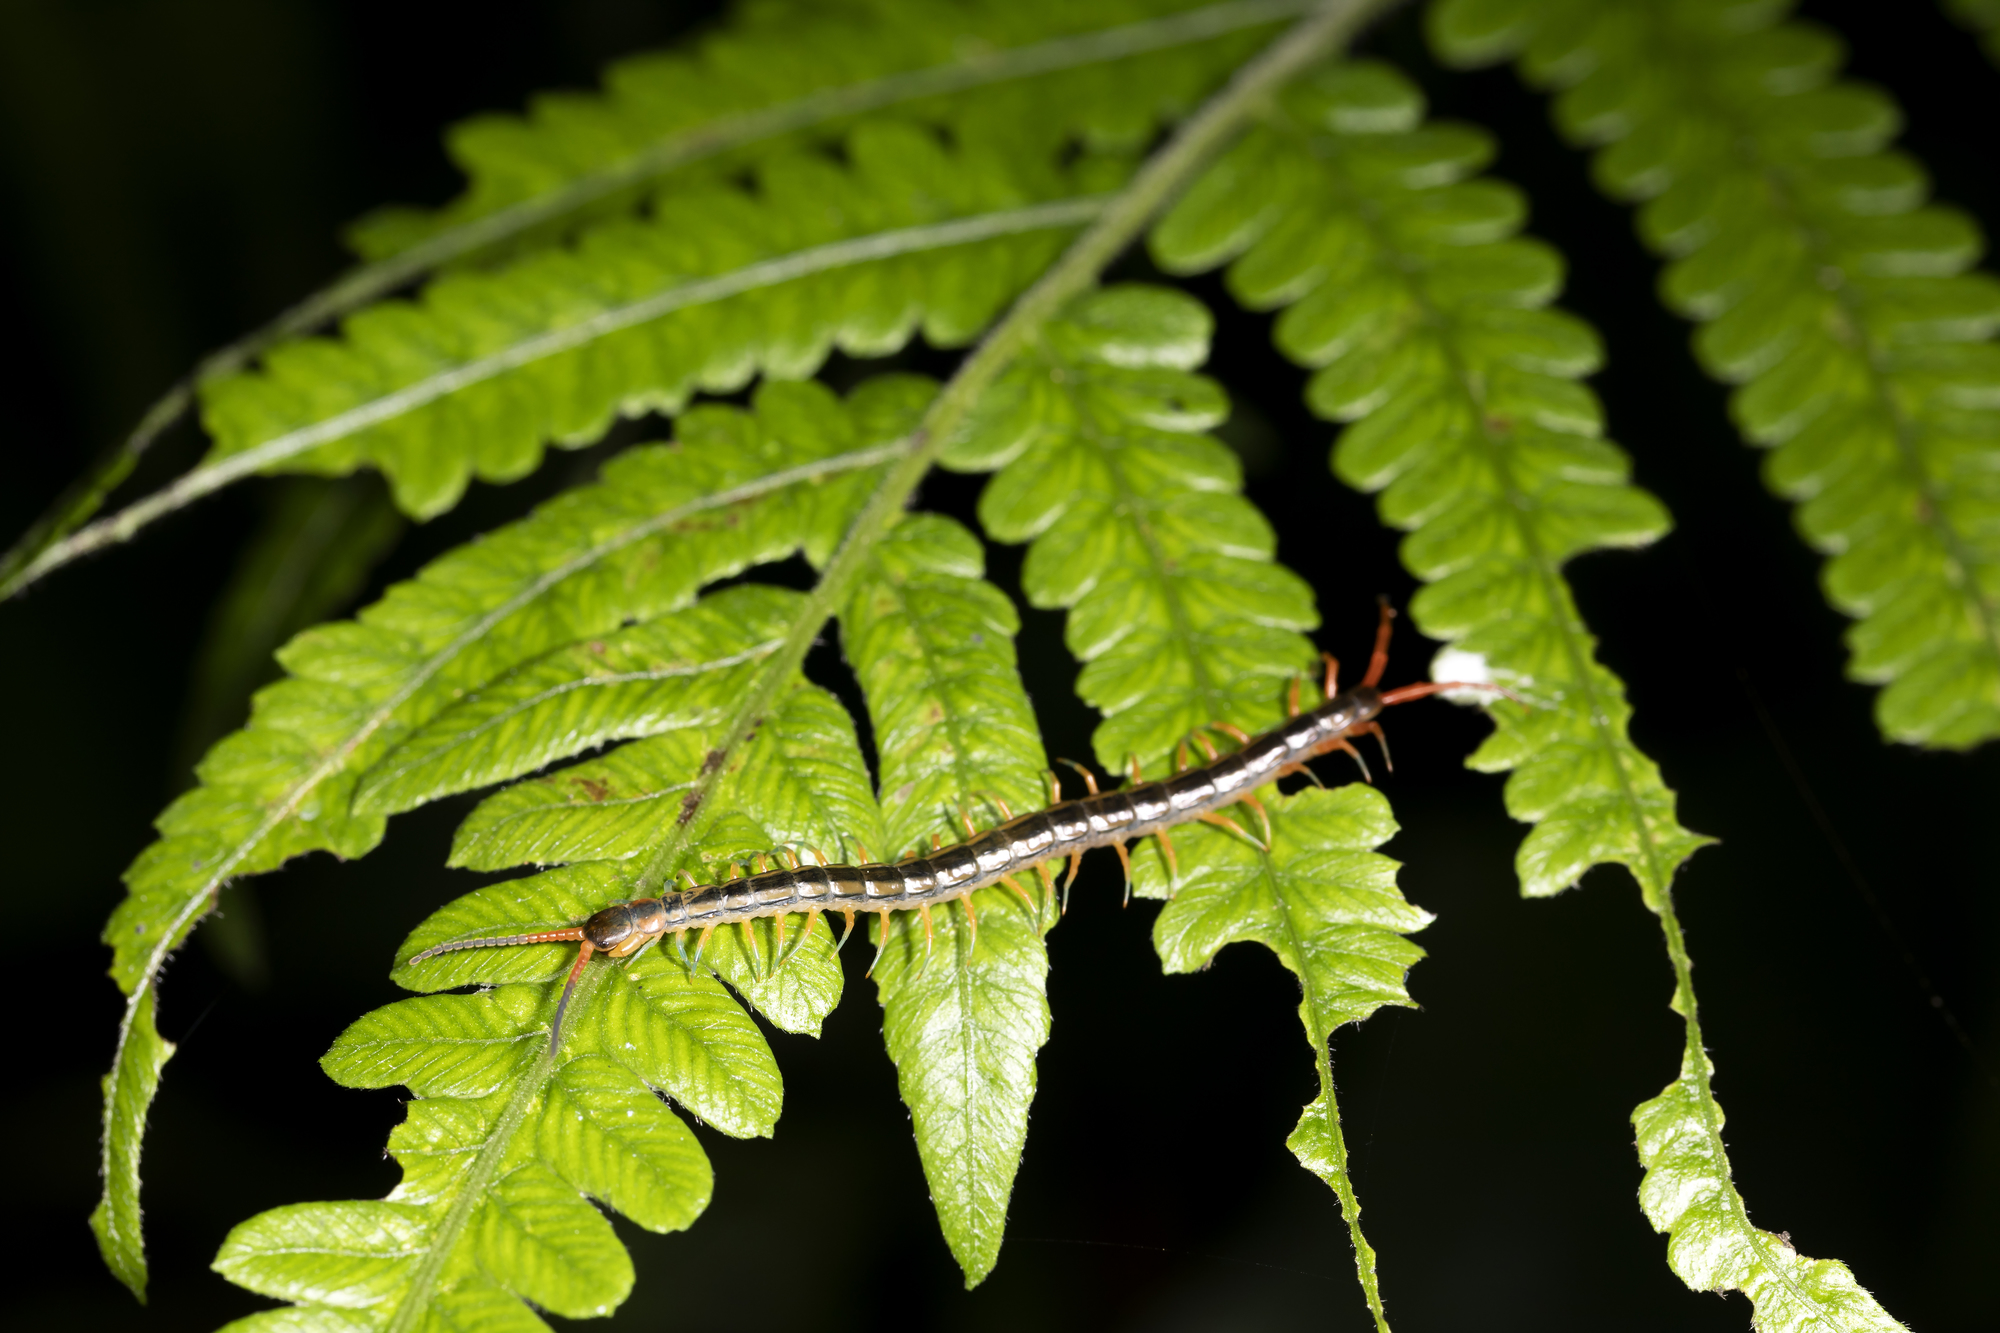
(174, 172)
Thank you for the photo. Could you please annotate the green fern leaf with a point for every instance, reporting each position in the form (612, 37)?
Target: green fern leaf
(1423, 315)
(1107, 72)
(1982, 17)
(715, 287)
(965, 1006)
(638, 545)
(1323, 900)
(1829, 291)
(1135, 524)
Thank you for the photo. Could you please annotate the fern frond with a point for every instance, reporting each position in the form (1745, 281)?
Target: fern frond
(1982, 17)
(1105, 71)
(370, 675)
(785, 479)
(1136, 527)
(1403, 285)
(1426, 319)
(1830, 291)
(1053, 72)
(1326, 903)
(1183, 620)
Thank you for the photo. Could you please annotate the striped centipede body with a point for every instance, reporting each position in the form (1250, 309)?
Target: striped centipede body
(1061, 832)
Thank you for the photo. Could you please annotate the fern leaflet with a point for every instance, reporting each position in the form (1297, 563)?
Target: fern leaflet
(1405, 285)
(618, 553)
(1012, 82)
(1829, 291)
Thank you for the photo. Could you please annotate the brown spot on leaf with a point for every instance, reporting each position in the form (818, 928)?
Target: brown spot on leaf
(689, 804)
(712, 761)
(592, 788)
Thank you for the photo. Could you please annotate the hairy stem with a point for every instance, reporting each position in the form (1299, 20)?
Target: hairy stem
(24, 561)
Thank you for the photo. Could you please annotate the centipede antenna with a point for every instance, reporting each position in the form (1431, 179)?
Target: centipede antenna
(1331, 686)
(1402, 694)
(1378, 662)
(500, 942)
(1173, 869)
(1089, 778)
(569, 987)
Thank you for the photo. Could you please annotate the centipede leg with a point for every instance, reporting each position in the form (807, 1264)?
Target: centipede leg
(1331, 686)
(1378, 662)
(1173, 869)
(1125, 859)
(930, 935)
(569, 987)
(1089, 778)
(701, 944)
(1382, 739)
(1069, 880)
(1231, 730)
(971, 916)
(750, 946)
(804, 935)
(881, 941)
(1055, 786)
(1183, 761)
(681, 950)
(1263, 815)
(1021, 891)
(849, 915)
(778, 943)
(1354, 754)
(1229, 825)
(1207, 745)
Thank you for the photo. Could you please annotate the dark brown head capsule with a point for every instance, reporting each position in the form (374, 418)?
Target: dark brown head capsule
(608, 929)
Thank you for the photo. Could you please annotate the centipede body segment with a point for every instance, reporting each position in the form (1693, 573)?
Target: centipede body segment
(1063, 831)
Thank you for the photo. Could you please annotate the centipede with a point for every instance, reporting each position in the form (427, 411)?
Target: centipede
(1060, 832)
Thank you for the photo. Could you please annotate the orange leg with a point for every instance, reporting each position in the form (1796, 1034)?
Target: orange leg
(1173, 868)
(1132, 766)
(1342, 745)
(1378, 661)
(849, 930)
(1292, 699)
(1231, 730)
(1055, 786)
(971, 915)
(1089, 778)
(1183, 761)
(701, 943)
(1331, 686)
(1124, 859)
(1263, 815)
(924, 911)
(1075, 865)
(1224, 822)
(680, 949)
(750, 944)
(1382, 739)
(1020, 891)
(1207, 746)
(881, 942)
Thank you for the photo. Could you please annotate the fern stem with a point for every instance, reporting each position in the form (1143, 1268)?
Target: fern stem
(24, 562)
(1163, 176)
(415, 1303)
(212, 477)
